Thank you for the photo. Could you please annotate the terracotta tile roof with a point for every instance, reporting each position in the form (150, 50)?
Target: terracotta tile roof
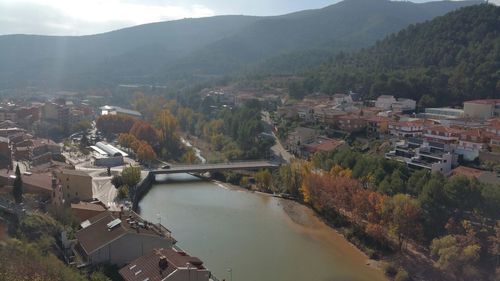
(443, 129)
(488, 101)
(148, 266)
(89, 206)
(97, 235)
(466, 171)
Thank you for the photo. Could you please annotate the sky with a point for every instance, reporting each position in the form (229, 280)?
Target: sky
(82, 17)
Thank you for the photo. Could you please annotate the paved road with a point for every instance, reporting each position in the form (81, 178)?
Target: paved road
(278, 149)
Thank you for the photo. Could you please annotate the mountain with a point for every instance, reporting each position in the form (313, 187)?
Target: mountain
(444, 61)
(207, 47)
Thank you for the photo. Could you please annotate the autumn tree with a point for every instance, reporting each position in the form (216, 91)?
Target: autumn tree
(167, 126)
(114, 124)
(145, 132)
(145, 153)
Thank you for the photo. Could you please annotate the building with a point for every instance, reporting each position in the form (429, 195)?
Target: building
(116, 110)
(106, 155)
(443, 113)
(44, 150)
(471, 143)
(377, 125)
(351, 123)
(75, 185)
(340, 99)
(441, 134)
(118, 238)
(482, 108)
(419, 154)
(322, 144)
(166, 264)
(299, 137)
(385, 102)
(412, 128)
(5, 153)
(388, 102)
(86, 210)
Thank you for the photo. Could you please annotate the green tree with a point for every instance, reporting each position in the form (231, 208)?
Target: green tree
(131, 176)
(404, 217)
(17, 188)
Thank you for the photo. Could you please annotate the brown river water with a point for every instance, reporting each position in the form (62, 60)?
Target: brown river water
(257, 237)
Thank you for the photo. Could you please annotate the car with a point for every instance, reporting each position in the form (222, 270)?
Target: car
(165, 166)
(27, 173)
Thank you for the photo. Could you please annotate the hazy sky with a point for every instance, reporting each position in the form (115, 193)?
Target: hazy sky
(79, 17)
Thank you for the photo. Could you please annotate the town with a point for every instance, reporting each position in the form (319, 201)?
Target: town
(69, 167)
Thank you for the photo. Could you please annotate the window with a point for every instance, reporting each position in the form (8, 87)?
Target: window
(67, 186)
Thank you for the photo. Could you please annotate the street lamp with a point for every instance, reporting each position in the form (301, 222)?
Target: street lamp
(230, 270)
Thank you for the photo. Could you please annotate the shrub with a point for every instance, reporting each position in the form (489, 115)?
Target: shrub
(402, 275)
(390, 269)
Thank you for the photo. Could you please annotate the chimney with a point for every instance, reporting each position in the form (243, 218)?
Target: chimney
(162, 264)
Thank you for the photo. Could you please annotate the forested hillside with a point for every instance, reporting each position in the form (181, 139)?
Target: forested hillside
(450, 59)
(196, 50)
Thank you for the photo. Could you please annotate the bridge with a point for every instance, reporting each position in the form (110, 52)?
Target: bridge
(203, 168)
(143, 187)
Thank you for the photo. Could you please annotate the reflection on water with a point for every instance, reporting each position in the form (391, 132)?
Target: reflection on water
(252, 234)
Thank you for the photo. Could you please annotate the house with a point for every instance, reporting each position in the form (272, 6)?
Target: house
(351, 123)
(86, 210)
(388, 102)
(166, 264)
(322, 144)
(385, 102)
(471, 143)
(300, 136)
(339, 99)
(487, 108)
(5, 153)
(441, 134)
(377, 125)
(118, 238)
(45, 150)
(482, 176)
(418, 154)
(412, 128)
(326, 115)
(75, 185)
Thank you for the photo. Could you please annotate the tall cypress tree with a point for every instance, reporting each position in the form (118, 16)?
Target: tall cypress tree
(17, 189)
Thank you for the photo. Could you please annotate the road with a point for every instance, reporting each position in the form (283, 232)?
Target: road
(278, 149)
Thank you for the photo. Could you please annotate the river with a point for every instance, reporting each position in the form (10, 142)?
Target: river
(253, 235)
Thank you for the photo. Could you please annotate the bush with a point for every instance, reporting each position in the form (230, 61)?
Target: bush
(389, 269)
(123, 192)
(402, 275)
(117, 181)
(34, 225)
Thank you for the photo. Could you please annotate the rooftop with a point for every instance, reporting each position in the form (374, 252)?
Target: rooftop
(486, 101)
(98, 234)
(159, 264)
(74, 173)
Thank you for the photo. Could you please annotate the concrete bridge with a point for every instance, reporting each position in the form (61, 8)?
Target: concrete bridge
(143, 187)
(203, 168)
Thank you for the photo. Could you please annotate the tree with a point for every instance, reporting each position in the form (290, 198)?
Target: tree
(123, 192)
(17, 188)
(145, 132)
(263, 179)
(190, 156)
(131, 176)
(117, 181)
(455, 257)
(145, 153)
(404, 218)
